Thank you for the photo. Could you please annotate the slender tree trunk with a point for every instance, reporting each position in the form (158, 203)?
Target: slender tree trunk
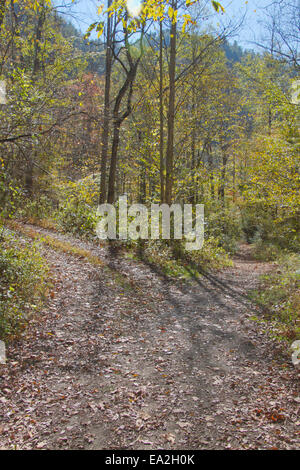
(233, 179)
(12, 20)
(161, 116)
(193, 148)
(118, 118)
(223, 176)
(193, 196)
(269, 121)
(35, 71)
(113, 162)
(211, 176)
(123, 182)
(143, 185)
(105, 131)
(38, 38)
(29, 175)
(2, 11)
(117, 121)
(142, 175)
(171, 112)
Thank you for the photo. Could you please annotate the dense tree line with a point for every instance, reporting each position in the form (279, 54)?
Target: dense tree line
(163, 106)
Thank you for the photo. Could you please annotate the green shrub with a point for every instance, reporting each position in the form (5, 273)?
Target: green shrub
(266, 251)
(251, 219)
(173, 260)
(9, 194)
(23, 276)
(261, 224)
(35, 209)
(224, 225)
(280, 294)
(77, 218)
(212, 255)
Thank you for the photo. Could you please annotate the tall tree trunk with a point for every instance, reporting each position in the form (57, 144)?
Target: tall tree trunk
(117, 121)
(118, 118)
(38, 38)
(171, 112)
(35, 71)
(223, 176)
(211, 175)
(143, 185)
(12, 20)
(193, 196)
(2, 11)
(29, 175)
(161, 116)
(233, 179)
(105, 131)
(269, 120)
(142, 175)
(113, 162)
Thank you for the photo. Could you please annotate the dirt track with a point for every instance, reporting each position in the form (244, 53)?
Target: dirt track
(124, 358)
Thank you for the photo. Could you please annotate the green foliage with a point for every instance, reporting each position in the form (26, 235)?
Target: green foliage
(211, 256)
(171, 258)
(273, 166)
(23, 282)
(270, 209)
(85, 190)
(35, 210)
(77, 207)
(266, 251)
(262, 226)
(224, 226)
(280, 294)
(8, 194)
(78, 218)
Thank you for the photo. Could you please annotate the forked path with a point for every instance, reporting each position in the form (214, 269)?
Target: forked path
(123, 358)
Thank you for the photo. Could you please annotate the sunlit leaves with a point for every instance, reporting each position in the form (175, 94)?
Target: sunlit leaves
(100, 9)
(217, 6)
(155, 10)
(273, 166)
(90, 29)
(172, 14)
(34, 4)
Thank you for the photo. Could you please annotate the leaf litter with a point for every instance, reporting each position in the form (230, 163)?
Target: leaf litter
(151, 363)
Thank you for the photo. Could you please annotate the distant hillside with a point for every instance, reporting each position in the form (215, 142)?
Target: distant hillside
(234, 52)
(93, 48)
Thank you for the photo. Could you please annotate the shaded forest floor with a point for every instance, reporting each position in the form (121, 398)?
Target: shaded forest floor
(123, 357)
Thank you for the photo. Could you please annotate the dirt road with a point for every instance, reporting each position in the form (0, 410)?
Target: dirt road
(124, 358)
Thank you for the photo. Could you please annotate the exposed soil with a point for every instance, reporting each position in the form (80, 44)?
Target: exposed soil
(125, 358)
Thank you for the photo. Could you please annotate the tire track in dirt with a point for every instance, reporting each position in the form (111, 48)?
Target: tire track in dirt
(151, 363)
